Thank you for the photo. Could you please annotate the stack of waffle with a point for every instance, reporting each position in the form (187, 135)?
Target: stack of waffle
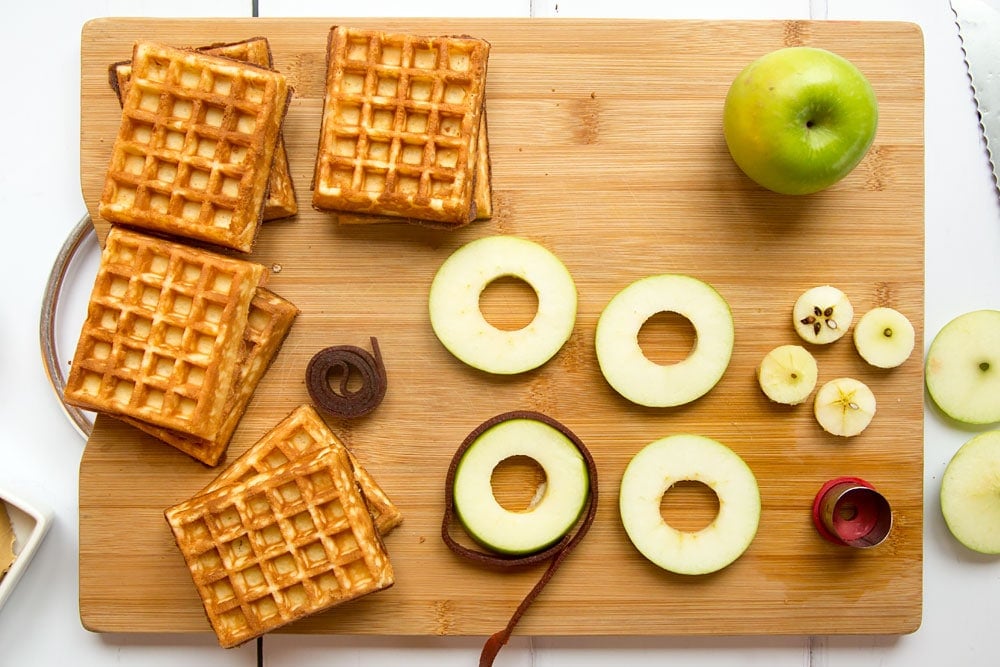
(194, 152)
(404, 129)
(280, 202)
(291, 528)
(175, 340)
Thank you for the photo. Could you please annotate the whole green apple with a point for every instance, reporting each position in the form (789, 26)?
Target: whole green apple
(799, 119)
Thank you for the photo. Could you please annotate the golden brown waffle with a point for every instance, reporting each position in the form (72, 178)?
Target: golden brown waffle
(163, 333)
(402, 119)
(195, 146)
(280, 202)
(301, 432)
(280, 545)
(270, 320)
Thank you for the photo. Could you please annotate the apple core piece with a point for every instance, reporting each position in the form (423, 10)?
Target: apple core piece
(458, 321)
(822, 315)
(963, 368)
(884, 337)
(663, 463)
(844, 407)
(557, 504)
(631, 373)
(970, 493)
(787, 374)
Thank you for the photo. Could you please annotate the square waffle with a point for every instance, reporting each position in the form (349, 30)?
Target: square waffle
(402, 119)
(196, 143)
(268, 323)
(300, 433)
(280, 545)
(280, 202)
(163, 333)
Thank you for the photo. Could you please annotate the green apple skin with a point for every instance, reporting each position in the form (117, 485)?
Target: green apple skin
(799, 119)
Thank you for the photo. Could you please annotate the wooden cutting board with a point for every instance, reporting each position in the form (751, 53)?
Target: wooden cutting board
(607, 148)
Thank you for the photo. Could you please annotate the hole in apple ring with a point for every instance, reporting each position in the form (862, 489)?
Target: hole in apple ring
(667, 338)
(508, 303)
(689, 505)
(518, 482)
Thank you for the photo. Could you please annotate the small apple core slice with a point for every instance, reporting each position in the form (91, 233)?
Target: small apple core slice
(787, 374)
(458, 321)
(685, 457)
(970, 493)
(844, 407)
(884, 337)
(822, 315)
(963, 368)
(631, 373)
(557, 505)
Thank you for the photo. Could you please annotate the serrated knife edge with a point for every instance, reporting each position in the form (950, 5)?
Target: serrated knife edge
(979, 30)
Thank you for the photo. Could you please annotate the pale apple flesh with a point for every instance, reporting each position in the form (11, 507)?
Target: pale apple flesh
(557, 505)
(799, 119)
(687, 457)
(627, 369)
(787, 374)
(884, 337)
(970, 493)
(458, 321)
(963, 368)
(844, 407)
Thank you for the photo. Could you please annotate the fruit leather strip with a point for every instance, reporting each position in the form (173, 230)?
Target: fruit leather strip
(344, 359)
(557, 552)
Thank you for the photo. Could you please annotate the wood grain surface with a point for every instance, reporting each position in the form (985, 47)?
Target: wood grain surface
(607, 148)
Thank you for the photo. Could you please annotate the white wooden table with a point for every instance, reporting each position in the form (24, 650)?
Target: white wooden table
(40, 450)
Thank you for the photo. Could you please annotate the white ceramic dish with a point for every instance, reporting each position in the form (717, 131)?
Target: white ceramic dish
(30, 522)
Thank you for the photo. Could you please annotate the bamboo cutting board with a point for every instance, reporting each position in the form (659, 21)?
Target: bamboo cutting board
(607, 148)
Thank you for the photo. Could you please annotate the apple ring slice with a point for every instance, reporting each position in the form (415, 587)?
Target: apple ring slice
(458, 321)
(661, 464)
(556, 508)
(644, 382)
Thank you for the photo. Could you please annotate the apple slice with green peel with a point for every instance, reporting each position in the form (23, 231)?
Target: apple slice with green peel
(844, 407)
(970, 493)
(799, 119)
(822, 315)
(963, 368)
(458, 321)
(677, 458)
(787, 374)
(644, 382)
(557, 505)
(884, 337)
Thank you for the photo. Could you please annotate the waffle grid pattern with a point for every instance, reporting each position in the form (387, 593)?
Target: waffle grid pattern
(268, 324)
(280, 202)
(195, 146)
(163, 328)
(280, 545)
(401, 125)
(299, 434)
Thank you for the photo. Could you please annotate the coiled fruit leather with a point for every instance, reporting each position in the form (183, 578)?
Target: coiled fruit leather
(344, 360)
(555, 554)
